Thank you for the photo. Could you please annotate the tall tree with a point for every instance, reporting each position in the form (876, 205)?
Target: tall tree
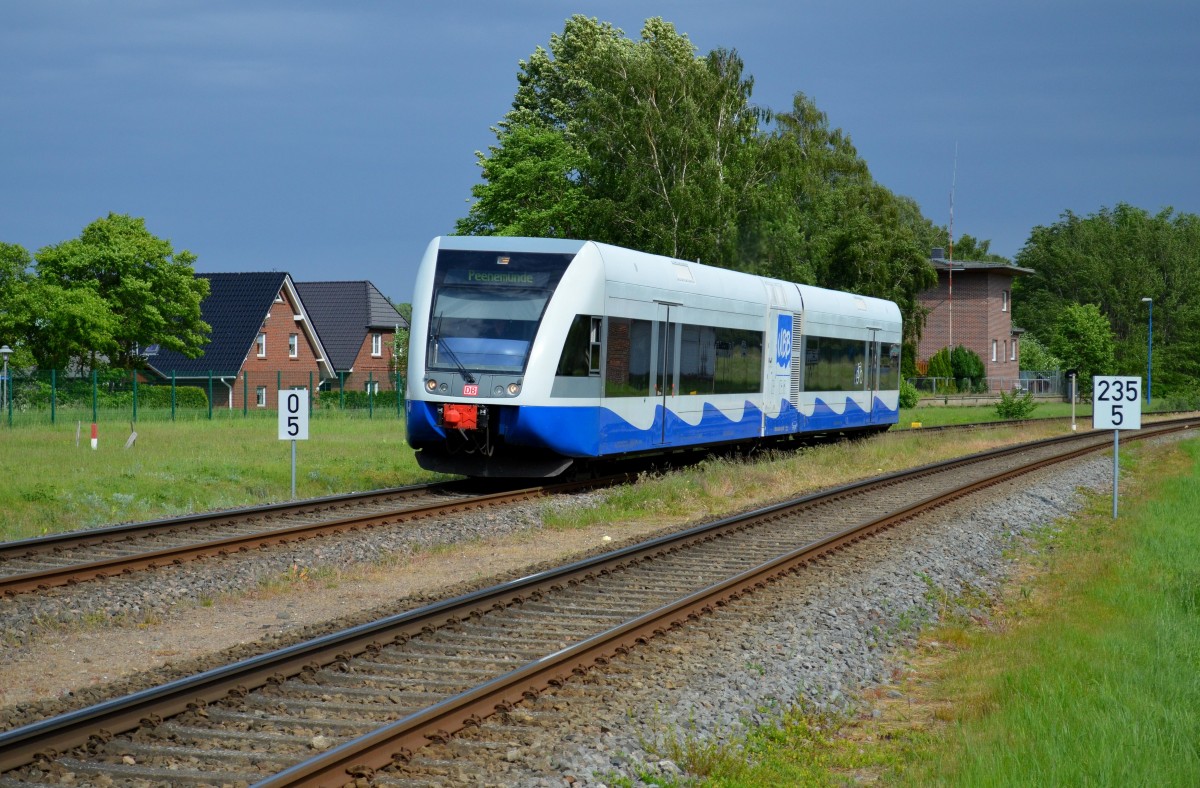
(968, 247)
(647, 144)
(150, 291)
(1083, 340)
(532, 186)
(823, 219)
(1113, 259)
(14, 279)
(639, 143)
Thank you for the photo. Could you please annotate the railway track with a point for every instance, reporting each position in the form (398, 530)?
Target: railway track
(65, 559)
(41, 563)
(344, 706)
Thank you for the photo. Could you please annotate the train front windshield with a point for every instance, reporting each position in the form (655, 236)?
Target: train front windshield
(487, 307)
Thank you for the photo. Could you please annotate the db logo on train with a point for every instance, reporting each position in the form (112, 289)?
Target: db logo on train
(783, 343)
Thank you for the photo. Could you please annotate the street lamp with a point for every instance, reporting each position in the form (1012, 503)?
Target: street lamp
(5, 351)
(1150, 353)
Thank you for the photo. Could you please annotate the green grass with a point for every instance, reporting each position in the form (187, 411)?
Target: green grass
(1087, 675)
(941, 415)
(1101, 686)
(52, 485)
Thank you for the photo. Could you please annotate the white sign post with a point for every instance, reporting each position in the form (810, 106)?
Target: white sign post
(1116, 406)
(293, 422)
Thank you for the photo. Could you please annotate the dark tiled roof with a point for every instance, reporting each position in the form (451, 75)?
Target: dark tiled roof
(942, 264)
(342, 313)
(235, 308)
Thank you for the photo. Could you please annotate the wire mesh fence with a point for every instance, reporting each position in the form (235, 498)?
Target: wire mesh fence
(51, 396)
(1040, 384)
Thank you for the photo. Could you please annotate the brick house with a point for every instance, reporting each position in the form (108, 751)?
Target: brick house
(357, 325)
(262, 341)
(976, 315)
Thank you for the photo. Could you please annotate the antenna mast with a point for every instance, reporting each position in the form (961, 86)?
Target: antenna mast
(950, 259)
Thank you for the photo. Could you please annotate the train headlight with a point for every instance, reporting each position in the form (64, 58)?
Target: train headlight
(444, 388)
(430, 385)
(497, 391)
(514, 389)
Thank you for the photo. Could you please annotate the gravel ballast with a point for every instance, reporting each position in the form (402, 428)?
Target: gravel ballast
(821, 637)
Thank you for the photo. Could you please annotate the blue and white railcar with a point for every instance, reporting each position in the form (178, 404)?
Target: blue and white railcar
(527, 355)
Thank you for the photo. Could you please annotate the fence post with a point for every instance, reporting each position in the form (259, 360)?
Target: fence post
(370, 395)
(342, 390)
(278, 384)
(95, 398)
(172, 395)
(245, 393)
(310, 394)
(53, 394)
(210, 395)
(399, 412)
(133, 372)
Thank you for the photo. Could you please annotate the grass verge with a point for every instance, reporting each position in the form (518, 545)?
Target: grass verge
(1083, 674)
(53, 484)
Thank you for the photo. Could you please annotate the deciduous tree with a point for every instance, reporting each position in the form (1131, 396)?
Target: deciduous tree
(1084, 341)
(136, 288)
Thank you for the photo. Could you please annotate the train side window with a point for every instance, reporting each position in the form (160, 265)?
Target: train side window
(889, 367)
(627, 365)
(580, 356)
(833, 364)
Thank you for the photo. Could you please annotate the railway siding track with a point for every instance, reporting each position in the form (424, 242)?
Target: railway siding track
(376, 694)
(65, 559)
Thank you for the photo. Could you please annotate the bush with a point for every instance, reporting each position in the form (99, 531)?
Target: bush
(909, 395)
(358, 400)
(159, 396)
(968, 365)
(940, 367)
(1178, 400)
(1015, 406)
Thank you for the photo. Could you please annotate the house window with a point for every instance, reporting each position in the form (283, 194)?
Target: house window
(260, 396)
(377, 344)
(1012, 349)
(261, 341)
(293, 345)
(1005, 350)
(993, 350)
(1003, 300)
(372, 387)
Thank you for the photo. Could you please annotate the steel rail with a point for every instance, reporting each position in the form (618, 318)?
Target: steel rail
(397, 742)
(68, 539)
(152, 559)
(22, 745)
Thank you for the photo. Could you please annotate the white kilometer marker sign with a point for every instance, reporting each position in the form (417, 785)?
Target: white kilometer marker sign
(1116, 406)
(293, 422)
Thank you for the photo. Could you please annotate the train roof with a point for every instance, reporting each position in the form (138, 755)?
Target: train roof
(667, 273)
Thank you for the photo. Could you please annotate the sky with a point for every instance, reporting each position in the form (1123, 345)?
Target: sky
(334, 140)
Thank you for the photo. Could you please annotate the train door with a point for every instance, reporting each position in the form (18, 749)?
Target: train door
(777, 385)
(665, 340)
(872, 374)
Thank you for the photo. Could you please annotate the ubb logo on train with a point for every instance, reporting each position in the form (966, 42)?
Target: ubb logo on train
(1116, 403)
(783, 343)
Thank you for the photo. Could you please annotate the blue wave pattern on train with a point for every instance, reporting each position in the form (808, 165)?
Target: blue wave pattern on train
(527, 355)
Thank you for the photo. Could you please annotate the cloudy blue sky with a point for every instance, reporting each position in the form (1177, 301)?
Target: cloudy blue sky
(334, 140)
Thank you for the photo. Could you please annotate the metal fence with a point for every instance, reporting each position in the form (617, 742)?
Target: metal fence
(1041, 384)
(47, 397)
